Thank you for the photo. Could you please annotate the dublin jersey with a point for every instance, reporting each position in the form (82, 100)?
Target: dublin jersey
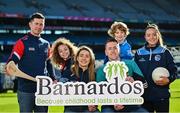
(150, 58)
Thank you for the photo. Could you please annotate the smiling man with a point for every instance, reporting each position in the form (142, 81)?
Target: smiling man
(31, 54)
(134, 73)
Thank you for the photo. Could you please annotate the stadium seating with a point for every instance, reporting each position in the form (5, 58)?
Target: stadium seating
(127, 10)
(136, 13)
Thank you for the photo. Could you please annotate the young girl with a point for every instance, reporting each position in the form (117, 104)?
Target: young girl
(149, 57)
(63, 52)
(84, 71)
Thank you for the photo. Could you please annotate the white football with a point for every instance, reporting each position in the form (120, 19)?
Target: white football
(158, 72)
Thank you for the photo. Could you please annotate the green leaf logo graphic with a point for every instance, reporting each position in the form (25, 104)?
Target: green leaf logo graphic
(109, 70)
(115, 69)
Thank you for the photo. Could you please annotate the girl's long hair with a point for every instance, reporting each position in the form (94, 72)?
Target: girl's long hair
(154, 26)
(56, 59)
(91, 66)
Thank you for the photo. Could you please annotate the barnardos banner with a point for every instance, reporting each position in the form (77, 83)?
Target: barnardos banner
(113, 91)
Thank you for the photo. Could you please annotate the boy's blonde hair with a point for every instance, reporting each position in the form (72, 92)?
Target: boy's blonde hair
(118, 25)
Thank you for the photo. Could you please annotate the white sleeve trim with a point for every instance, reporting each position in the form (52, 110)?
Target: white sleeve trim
(17, 55)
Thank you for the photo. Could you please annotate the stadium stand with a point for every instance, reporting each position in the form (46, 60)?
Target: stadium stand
(87, 21)
(157, 10)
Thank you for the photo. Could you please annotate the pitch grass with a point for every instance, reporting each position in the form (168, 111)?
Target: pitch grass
(8, 101)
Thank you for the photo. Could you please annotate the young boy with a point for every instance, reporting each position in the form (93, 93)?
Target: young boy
(120, 31)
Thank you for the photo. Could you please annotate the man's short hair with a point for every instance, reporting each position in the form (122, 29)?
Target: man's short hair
(110, 40)
(37, 15)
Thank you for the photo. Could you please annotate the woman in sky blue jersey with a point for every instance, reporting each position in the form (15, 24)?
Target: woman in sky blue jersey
(149, 57)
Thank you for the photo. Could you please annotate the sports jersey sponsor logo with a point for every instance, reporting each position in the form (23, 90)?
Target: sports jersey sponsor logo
(157, 57)
(31, 49)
